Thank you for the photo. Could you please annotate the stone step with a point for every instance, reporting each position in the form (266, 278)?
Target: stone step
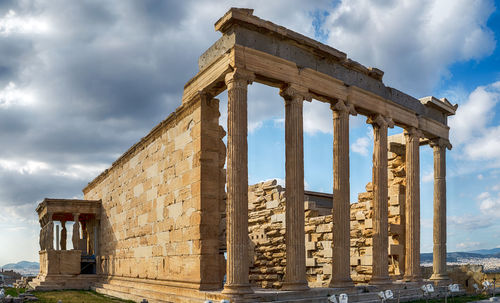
(159, 293)
(129, 291)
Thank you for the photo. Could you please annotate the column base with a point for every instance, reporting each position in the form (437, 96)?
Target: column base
(237, 289)
(412, 278)
(297, 286)
(380, 280)
(439, 277)
(341, 283)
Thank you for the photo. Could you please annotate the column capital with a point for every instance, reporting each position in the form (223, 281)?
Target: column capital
(342, 106)
(380, 121)
(412, 133)
(440, 143)
(293, 92)
(239, 77)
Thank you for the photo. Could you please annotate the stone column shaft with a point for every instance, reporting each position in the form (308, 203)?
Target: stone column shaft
(341, 270)
(380, 271)
(295, 274)
(237, 184)
(412, 205)
(439, 228)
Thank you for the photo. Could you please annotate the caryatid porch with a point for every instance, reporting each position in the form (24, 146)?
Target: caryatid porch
(57, 260)
(252, 49)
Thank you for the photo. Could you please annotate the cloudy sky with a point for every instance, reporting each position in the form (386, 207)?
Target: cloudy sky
(81, 81)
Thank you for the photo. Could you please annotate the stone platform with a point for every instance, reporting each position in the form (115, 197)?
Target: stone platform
(61, 282)
(158, 292)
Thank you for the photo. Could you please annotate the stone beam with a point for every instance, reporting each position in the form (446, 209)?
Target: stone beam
(210, 79)
(275, 71)
(241, 27)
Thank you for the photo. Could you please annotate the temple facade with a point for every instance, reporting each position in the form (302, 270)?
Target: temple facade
(149, 226)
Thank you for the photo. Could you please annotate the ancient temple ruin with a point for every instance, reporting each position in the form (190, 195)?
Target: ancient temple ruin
(151, 223)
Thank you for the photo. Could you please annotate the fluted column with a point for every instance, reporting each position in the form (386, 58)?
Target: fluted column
(295, 274)
(237, 183)
(412, 205)
(341, 270)
(439, 232)
(380, 264)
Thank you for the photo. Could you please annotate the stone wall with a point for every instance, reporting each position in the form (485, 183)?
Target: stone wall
(362, 221)
(267, 230)
(161, 202)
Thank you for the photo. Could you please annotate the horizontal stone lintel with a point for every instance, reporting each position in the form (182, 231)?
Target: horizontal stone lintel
(243, 30)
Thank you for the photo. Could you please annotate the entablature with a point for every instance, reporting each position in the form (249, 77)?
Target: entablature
(278, 56)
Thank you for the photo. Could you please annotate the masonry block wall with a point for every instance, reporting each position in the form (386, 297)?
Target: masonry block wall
(161, 200)
(267, 231)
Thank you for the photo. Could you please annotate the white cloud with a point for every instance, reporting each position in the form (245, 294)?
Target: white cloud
(361, 145)
(18, 214)
(483, 195)
(11, 23)
(318, 117)
(474, 130)
(414, 42)
(490, 204)
(24, 167)
(469, 222)
(428, 176)
(32, 167)
(11, 95)
(467, 245)
(473, 116)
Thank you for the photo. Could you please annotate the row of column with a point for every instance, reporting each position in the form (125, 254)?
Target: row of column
(237, 281)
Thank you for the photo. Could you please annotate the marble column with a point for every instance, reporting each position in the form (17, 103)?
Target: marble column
(295, 274)
(439, 231)
(341, 266)
(412, 205)
(380, 262)
(237, 183)
(75, 238)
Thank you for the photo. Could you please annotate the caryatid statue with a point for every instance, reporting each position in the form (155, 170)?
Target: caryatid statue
(41, 240)
(64, 235)
(76, 233)
(49, 241)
